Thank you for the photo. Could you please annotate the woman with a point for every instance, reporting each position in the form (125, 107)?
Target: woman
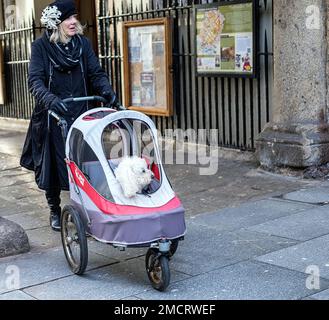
(62, 65)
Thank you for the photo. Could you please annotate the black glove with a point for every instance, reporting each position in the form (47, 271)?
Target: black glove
(117, 105)
(121, 108)
(58, 106)
(109, 96)
(112, 100)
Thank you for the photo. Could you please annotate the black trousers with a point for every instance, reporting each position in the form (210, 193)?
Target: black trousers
(54, 200)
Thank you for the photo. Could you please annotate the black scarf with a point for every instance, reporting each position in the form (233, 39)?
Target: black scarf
(62, 59)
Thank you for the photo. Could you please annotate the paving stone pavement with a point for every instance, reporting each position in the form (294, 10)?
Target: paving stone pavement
(251, 235)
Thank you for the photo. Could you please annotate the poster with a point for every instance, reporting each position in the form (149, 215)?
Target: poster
(227, 52)
(134, 54)
(136, 96)
(148, 89)
(225, 38)
(147, 51)
(244, 53)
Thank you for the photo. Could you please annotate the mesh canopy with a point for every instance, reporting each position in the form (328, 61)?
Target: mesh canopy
(100, 139)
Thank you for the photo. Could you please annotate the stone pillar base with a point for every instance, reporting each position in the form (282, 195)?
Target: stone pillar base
(298, 146)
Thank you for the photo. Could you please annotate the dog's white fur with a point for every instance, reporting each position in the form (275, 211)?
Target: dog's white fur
(133, 175)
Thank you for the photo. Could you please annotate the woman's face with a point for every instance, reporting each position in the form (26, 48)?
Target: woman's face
(69, 26)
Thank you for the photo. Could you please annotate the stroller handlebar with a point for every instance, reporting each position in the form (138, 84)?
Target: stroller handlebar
(92, 98)
(89, 98)
(54, 115)
(61, 122)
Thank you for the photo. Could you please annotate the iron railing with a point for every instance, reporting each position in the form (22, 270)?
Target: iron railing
(238, 108)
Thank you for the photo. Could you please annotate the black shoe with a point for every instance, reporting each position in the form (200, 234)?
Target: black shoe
(55, 222)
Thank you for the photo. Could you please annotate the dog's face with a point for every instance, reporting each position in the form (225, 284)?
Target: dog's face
(133, 175)
(143, 175)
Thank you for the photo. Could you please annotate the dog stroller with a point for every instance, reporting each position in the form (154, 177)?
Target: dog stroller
(96, 143)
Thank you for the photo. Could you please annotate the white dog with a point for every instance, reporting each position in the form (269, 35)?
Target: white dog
(133, 175)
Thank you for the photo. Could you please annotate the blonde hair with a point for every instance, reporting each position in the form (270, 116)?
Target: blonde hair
(59, 35)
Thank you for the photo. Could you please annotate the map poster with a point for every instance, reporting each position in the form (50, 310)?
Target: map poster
(225, 38)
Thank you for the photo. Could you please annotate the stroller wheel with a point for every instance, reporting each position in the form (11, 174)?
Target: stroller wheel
(157, 268)
(74, 240)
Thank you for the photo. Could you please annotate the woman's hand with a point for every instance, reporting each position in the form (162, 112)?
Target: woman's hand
(58, 106)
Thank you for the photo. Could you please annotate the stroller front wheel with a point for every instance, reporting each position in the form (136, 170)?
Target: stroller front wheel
(74, 240)
(157, 268)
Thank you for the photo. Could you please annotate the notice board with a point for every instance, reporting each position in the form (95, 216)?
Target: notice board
(147, 52)
(226, 40)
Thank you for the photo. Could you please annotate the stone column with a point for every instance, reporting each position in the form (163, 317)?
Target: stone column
(298, 136)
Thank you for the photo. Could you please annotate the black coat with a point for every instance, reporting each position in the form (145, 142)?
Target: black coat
(43, 150)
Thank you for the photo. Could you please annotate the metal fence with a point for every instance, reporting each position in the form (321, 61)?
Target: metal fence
(237, 108)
